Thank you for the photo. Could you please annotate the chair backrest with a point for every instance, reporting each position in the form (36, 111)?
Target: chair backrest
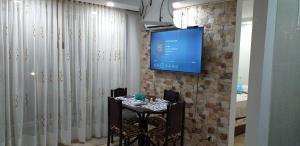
(118, 92)
(175, 118)
(114, 113)
(171, 96)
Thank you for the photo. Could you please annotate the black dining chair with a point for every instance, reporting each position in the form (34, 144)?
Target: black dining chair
(115, 125)
(172, 97)
(129, 117)
(174, 127)
(118, 92)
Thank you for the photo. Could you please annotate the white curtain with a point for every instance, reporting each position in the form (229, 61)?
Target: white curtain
(59, 59)
(133, 28)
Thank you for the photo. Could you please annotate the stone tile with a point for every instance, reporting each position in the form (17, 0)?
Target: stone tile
(207, 111)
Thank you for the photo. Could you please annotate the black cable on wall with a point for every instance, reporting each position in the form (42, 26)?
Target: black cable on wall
(144, 8)
(160, 17)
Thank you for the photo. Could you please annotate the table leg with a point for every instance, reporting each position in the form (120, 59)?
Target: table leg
(143, 124)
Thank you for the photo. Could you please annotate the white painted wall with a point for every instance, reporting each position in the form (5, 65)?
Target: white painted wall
(273, 115)
(133, 52)
(152, 13)
(285, 93)
(247, 9)
(132, 5)
(245, 41)
(245, 52)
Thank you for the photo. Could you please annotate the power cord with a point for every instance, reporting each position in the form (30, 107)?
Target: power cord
(142, 8)
(160, 17)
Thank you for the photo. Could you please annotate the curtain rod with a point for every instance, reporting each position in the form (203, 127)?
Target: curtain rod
(97, 4)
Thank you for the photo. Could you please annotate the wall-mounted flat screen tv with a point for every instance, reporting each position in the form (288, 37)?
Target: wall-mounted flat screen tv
(177, 50)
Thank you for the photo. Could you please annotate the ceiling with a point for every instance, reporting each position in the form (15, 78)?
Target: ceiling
(134, 4)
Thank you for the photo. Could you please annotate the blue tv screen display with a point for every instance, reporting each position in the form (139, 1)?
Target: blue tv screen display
(177, 50)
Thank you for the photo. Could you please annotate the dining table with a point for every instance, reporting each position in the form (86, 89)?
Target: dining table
(144, 108)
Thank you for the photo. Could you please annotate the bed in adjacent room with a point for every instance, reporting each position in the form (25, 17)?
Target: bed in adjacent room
(241, 109)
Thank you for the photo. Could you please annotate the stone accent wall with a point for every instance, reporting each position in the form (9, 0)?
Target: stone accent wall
(207, 112)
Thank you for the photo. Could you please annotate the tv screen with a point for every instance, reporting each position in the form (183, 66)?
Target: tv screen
(177, 50)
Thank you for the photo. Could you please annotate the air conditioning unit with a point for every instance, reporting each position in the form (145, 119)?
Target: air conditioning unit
(156, 13)
(159, 13)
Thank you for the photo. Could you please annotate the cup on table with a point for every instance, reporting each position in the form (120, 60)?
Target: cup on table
(152, 98)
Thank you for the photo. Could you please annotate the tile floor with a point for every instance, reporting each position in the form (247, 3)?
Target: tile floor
(239, 140)
(92, 142)
(97, 142)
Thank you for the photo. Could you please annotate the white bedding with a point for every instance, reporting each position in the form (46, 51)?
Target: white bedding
(241, 105)
(241, 108)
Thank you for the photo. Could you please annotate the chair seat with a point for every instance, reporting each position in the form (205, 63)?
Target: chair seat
(129, 117)
(129, 131)
(157, 121)
(173, 129)
(157, 134)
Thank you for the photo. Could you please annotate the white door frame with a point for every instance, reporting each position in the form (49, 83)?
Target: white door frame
(259, 103)
(236, 54)
(260, 74)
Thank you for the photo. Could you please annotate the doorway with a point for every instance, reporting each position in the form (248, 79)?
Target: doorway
(242, 82)
(241, 72)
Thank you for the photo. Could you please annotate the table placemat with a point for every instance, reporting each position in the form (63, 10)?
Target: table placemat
(157, 105)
